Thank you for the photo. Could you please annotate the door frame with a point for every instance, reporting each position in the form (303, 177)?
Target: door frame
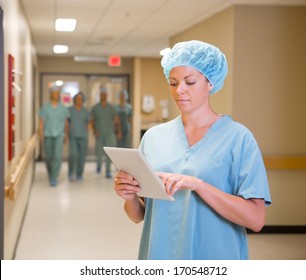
(2, 131)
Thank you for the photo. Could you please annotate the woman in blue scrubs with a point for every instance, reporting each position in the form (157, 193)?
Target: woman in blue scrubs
(210, 163)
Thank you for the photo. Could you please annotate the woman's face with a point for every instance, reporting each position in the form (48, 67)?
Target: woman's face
(55, 95)
(78, 100)
(103, 97)
(189, 89)
(122, 98)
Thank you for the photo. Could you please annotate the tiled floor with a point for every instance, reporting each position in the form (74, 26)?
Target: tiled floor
(85, 220)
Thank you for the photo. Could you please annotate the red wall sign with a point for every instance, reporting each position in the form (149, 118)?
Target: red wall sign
(11, 105)
(114, 61)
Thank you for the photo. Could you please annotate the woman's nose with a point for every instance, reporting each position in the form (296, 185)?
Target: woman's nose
(180, 88)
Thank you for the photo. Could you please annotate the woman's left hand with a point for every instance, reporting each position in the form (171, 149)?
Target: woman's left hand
(174, 182)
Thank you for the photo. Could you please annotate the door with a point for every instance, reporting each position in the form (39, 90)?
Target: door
(89, 85)
(113, 84)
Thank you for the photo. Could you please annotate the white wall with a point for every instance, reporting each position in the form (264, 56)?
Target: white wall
(18, 43)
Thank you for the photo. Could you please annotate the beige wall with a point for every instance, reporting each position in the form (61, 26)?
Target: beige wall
(148, 79)
(64, 64)
(153, 82)
(270, 69)
(265, 90)
(269, 96)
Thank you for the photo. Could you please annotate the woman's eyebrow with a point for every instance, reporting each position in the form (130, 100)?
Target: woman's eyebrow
(172, 78)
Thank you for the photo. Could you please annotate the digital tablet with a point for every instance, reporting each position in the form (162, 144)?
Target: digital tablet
(132, 161)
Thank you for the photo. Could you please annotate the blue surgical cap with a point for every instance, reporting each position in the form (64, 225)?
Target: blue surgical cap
(103, 90)
(79, 93)
(205, 58)
(54, 88)
(124, 91)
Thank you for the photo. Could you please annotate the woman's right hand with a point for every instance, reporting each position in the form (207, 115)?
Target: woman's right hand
(126, 186)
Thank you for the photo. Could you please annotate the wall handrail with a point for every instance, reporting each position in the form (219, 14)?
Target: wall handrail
(13, 187)
(285, 162)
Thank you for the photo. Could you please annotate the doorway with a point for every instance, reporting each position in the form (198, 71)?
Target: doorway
(89, 84)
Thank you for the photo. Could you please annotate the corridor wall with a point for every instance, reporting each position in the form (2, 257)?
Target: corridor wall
(18, 43)
(265, 90)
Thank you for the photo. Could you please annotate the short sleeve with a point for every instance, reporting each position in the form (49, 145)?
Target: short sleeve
(253, 182)
(41, 112)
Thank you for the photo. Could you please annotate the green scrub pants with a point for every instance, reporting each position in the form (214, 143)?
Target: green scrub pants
(101, 141)
(125, 141)
(53, 152)
(77, 155)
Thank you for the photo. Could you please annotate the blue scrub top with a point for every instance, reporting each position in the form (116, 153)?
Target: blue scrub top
(54, 119)
(228, 158)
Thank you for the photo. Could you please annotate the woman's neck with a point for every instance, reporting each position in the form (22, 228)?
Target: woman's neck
(78, 106)
(202, 119)
(54, 102)
(196, 126)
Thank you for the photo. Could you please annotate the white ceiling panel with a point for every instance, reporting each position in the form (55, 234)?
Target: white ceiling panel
(127, 27)
(138, 5)
(80, 4)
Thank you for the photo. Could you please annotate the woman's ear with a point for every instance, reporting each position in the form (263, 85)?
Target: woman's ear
(211, 86)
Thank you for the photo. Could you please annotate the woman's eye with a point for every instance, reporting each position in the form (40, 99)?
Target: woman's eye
(173, 84)
(190, 83)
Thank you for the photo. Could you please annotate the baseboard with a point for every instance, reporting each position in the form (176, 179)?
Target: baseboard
(280, 230)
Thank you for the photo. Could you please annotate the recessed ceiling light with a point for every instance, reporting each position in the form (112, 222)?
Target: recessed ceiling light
(62, 24)
(60, 49)
(59, 83)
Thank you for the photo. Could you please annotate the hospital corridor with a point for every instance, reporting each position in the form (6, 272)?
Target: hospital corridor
(76, 220)
(212, 93)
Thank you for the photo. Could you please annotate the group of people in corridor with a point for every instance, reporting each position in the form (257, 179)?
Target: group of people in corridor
(111, 125)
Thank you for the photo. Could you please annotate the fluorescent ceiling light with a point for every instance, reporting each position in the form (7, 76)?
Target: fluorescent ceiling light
(164, 51)
(63, 24)
(80, 58)
(60, 49)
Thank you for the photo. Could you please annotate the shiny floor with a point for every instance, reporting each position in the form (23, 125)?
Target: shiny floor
(85, 220)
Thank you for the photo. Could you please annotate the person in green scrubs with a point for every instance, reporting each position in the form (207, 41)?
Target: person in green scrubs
(53, 131)
(125, 113)
(79, 122)
(105, 124)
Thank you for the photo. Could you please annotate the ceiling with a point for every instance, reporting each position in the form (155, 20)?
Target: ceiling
(121, 27)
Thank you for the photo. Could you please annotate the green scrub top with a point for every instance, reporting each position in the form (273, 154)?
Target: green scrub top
(54, 119)
(103, 118)
(125, 113)
(78, 122)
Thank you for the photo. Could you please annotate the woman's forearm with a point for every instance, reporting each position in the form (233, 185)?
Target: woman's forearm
(135, 209)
